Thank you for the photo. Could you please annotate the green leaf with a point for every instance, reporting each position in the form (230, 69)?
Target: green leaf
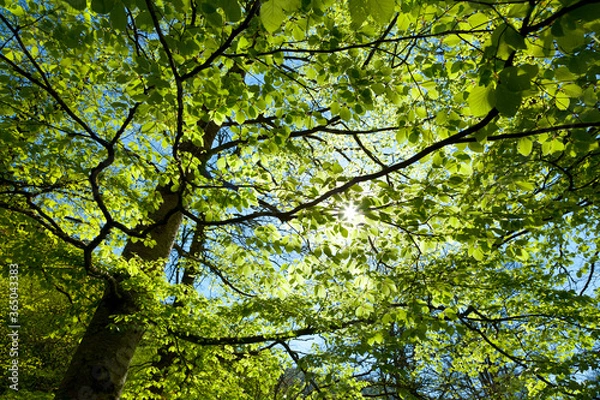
(572, 90)
(507, 101)
(527, 186)
(144, 19)
(358, 12)
(505, 39)
(401, 135)
(334, 108)
(557, 145)
(519, 10)
(290, 5)
(102, 6)
(451, 313)
(589, 96)
(211, 15)
(376, 339)
(481, 100)
(382, 11)
(208, 8)
(77, 4)
(345, 114)
(232, 10)
(320, 292)
(476, 147)
(516, 79)
(592, 115)
(477, 253)
(587, 12)
(118, 18)
(530, 70)
(525, 146)
(272, 15)
(478, 20)
(222, 163)
(514, 39)
(378, 88)
(562, 101)
(571, 40)
(274, 12)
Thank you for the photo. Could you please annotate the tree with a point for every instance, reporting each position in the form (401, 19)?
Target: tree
(414, 181)
(56, 299)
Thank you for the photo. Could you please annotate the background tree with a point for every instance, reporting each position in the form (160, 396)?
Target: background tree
(413, 186)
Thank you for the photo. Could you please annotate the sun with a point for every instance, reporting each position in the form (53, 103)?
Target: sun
(350, 214)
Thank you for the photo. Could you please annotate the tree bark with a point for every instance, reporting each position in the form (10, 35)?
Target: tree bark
(99, 366)
(98, 369)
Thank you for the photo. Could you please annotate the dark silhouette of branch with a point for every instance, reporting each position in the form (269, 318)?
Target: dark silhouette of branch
(234, 33)
(563, 11)
(288, 215)
(590, 275)
(517, 135)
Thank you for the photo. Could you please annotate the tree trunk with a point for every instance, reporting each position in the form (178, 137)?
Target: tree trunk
(99, 366)
(98, 369)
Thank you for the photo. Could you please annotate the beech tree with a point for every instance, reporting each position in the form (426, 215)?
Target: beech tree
(306, 198)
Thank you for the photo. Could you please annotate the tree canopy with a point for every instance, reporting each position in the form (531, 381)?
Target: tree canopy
(302, 199)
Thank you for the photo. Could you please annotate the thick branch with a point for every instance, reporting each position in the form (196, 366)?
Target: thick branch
(287, 215)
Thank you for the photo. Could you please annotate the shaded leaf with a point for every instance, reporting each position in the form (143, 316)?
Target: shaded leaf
(102, 6)
(507, 101)
(77, 4)
(232, 9)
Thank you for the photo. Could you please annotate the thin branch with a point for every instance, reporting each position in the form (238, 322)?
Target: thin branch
(517, 135)
(234, 33)
(45, 221)
(367, 151)
(385, 33)
(296, 359)
(59, 100)
(519, 361)
(563, 11)
(590, 275)
(212, 269)
(241, 340)
(363, 45)
(288, 215)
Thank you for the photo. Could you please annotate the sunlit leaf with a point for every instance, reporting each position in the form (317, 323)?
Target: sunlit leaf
(381, 10)
(481, 100)
(525, 146)
(272, 15)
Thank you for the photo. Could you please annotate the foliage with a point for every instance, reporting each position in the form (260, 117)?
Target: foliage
(55, 302)
(413, 186)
